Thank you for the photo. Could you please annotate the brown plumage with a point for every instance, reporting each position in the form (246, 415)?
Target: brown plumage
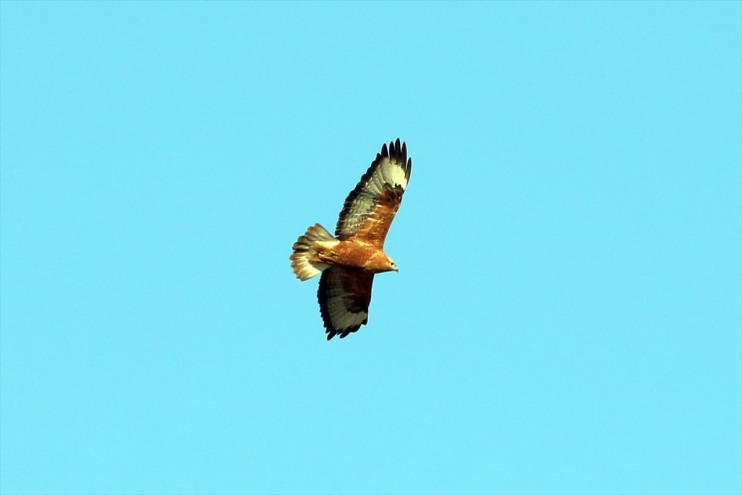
(349, 260)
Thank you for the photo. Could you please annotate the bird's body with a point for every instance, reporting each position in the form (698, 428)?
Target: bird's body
(349, 260)
(352, 254)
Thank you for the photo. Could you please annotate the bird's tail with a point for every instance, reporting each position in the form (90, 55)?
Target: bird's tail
(304, 260)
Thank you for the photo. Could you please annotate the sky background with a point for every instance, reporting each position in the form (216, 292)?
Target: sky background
(567, 315)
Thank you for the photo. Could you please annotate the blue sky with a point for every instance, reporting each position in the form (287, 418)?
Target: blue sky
(567, 314)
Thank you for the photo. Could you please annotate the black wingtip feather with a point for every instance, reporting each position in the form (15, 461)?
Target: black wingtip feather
(398, 151)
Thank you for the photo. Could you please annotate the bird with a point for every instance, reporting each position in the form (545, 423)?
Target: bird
(349, 260)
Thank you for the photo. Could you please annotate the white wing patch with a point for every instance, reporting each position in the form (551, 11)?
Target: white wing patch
(387, 172)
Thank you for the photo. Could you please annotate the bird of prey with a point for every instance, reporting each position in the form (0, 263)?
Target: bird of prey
(349, 260)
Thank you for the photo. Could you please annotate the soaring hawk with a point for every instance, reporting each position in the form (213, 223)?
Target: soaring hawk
(349, 260)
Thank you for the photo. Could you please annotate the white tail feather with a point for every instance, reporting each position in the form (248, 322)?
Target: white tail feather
(303, 259)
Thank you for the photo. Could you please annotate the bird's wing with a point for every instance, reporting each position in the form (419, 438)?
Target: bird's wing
(369, 209)
(344, 295)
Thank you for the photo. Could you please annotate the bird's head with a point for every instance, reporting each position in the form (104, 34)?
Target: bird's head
(393, 266)
(379, 262)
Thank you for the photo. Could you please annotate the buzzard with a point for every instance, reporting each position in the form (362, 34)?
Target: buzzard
(349, 260)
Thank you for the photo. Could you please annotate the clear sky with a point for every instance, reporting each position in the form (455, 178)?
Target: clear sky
(567, 315)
